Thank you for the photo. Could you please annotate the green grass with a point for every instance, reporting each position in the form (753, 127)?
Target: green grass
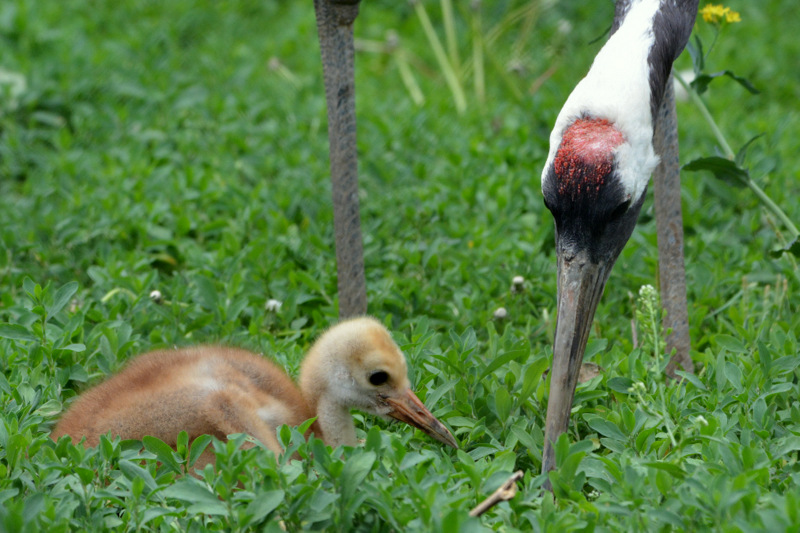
(172, 147)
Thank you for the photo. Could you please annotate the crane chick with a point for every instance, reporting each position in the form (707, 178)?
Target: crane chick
(219, 391)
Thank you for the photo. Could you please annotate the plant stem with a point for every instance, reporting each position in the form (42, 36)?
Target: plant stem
(726, 148)
(447, 68)
(708, 52)
(665, 414)
(450, 32)
(477, 53)
(407, 76)
(772, 206)
(706, 115)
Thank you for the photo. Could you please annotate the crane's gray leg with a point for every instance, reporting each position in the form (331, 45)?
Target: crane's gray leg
(669, 227)
(335, 25)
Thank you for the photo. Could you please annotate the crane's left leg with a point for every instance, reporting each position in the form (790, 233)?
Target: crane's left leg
(335, 25)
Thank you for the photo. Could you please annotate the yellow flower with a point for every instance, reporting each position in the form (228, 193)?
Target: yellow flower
(732, 16)
(711, 12)
(715, 13)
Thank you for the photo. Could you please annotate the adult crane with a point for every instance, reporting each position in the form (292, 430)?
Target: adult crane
(602, 152)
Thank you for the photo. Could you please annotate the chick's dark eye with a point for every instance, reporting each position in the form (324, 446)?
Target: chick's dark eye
(379, 377)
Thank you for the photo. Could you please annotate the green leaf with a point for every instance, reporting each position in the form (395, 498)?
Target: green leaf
(319, 505)
(5, 386)
(700, 83)
(732, 344)
(34, 505)
(784, 446)
(502, 360)
(355, 471)
(32, 289)
(468, 464)
(533, 375)
(264, 503)
(742, 153)
(594, 347)
(374, 438)
(792, 247)
(691, 378)
(759, 410)
(5, 494)
(720, 370)
(16, 332)
(666, 516)
(561, 448)
(152, 513)
(620, 384)
(524, 437)
(764, 357)
(134, 471)
(607, 429)
(583, 446)
(785, 364)
(197, 448)
(734, 375)
(162, 451)
(306, 425)
(670, 468)
(106, 447)
(62, 297)
(78, 373)
(461, 421)
(206, 293)
(723, 169)
(194, 492)
(308, 281)
(695, 47)
(189, 490)
(75, 347)
(502, 402)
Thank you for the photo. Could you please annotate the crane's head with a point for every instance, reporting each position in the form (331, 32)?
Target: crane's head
(596, 174)
(595, 211)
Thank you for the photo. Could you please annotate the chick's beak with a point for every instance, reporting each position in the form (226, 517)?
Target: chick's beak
(409, 409)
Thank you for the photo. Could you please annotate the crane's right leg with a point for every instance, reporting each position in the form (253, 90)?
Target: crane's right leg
(669, 227)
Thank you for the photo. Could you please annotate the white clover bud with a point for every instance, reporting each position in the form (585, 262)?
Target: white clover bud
(637, 388)
(517, 284)
(500, 313)
(156, 296)
(647, 291)
(701, 421)
(273, 305)
(648, 300)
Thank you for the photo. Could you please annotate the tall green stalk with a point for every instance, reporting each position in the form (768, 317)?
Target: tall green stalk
(729, 153)
(441, 57)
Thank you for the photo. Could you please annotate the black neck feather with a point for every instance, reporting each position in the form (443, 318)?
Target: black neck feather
(672, 27)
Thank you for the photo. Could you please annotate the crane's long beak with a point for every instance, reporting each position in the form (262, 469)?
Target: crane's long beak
(580, 285)
(409, 409)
